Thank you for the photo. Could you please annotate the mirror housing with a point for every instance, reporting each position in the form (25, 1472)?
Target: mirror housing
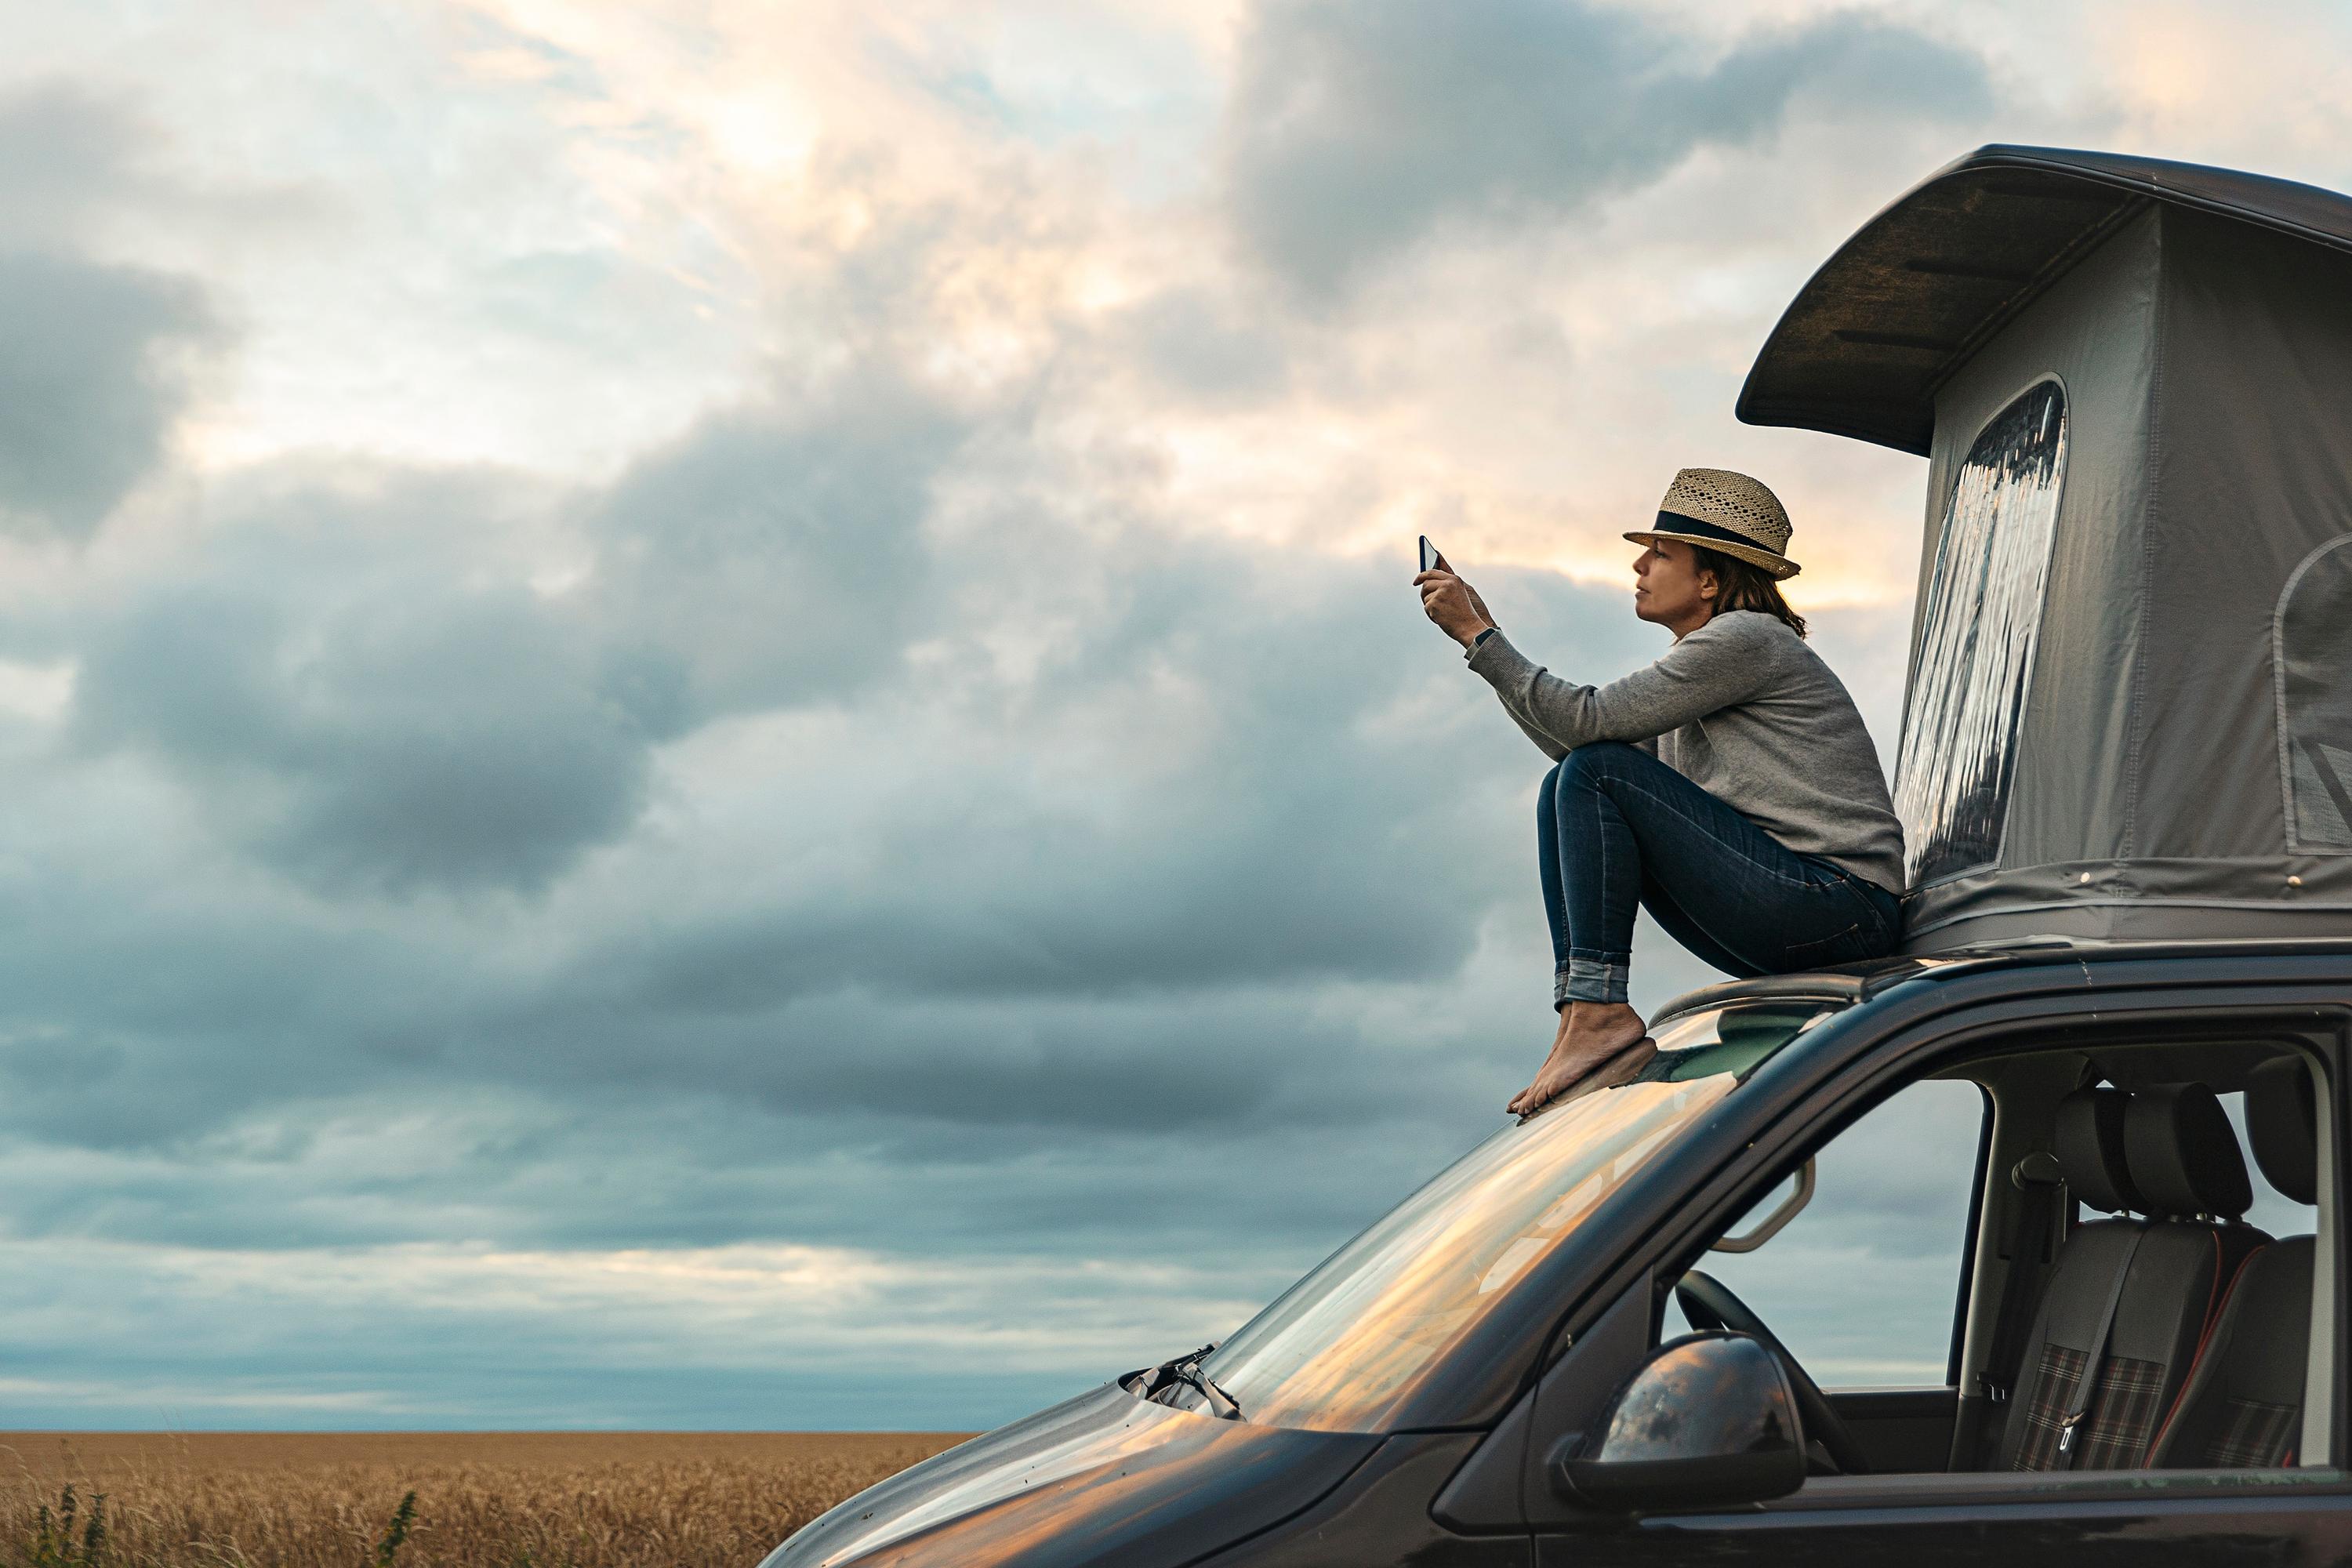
(1709, 1421)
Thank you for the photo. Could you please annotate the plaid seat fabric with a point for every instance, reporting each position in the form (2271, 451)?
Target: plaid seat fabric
(2253, 1436)
(2121, 1421)
(2118, 1425)
(2046, 1400)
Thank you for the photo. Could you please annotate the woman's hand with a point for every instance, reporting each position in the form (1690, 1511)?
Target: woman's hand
(1453, 605)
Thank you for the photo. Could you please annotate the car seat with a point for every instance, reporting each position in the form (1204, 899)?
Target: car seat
(2241, 1407)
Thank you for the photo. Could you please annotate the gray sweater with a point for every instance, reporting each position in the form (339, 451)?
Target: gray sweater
(1743, 709)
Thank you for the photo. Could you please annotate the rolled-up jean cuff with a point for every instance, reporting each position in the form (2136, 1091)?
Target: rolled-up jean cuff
(1590, 980)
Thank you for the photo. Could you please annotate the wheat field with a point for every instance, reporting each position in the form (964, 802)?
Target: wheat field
(480, 1500)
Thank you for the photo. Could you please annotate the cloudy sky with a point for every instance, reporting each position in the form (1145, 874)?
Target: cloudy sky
(711, 712)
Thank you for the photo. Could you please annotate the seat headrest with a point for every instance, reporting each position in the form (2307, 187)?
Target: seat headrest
(2282, 1125)
(2183, 1154)
(2088, 1140)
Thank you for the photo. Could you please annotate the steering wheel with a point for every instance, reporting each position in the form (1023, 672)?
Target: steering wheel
(1706, 1304)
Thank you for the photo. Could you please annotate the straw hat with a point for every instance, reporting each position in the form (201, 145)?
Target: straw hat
(1716, 509)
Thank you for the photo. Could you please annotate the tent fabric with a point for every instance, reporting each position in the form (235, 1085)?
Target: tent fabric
(2178, 760)
(2313, 648)
(1920, 289)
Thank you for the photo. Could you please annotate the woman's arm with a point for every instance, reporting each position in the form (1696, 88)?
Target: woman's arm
(1722, 663)
(1462, 616)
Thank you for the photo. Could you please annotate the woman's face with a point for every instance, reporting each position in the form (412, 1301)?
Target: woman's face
(1669, 589)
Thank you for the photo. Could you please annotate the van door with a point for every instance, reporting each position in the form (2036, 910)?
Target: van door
(1829, 1300)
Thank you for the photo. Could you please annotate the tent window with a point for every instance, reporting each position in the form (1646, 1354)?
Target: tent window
(2313, 658)
(1976, 639)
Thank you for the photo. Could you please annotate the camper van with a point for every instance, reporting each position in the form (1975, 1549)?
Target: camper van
(2125, 779)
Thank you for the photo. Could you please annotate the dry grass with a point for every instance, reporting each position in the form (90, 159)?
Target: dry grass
(484, 1499)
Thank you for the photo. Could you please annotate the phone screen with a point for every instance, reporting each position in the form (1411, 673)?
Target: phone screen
(1428, 555)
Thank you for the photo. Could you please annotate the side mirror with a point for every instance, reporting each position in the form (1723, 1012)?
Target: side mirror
(1709, 1420)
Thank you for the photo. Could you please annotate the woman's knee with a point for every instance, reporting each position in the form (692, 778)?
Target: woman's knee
(1598, 759)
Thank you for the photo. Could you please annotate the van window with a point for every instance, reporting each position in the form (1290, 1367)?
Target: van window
(2313, 660)
(1862, 1286)
(1977, 638)
(2151, 1280)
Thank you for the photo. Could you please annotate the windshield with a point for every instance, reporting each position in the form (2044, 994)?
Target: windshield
(1342, 1346)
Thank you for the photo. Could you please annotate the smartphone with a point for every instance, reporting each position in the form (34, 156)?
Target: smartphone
(1430, 559)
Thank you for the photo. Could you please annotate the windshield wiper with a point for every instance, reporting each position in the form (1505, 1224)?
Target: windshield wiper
(1186, 1370)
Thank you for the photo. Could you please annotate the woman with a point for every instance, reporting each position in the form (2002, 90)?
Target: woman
(1729, 788)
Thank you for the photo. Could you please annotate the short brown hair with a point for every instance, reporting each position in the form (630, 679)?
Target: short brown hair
(1741, 586)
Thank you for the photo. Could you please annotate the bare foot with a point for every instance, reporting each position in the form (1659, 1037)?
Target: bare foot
(1623, 1067)
(1591, 1033)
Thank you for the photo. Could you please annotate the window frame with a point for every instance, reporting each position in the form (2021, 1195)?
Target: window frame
(1973, 1241)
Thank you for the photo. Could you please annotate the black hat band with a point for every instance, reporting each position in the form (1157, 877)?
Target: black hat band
(1675, 522)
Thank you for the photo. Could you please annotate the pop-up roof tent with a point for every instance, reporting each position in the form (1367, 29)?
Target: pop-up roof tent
(2129, 708)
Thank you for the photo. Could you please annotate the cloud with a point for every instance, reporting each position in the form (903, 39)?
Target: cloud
(370, 705)
(1192, 340)
(1358, 127)
(360, 714)
(92, 379)
(95, 359)
(771, 557)
(65, 154)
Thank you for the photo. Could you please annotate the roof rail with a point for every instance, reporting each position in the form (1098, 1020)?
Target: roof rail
(1844, 989)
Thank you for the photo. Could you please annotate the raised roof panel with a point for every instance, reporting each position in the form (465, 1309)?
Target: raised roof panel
(1904, 303)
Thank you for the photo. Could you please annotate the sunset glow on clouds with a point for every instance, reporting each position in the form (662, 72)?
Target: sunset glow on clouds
(713, 712)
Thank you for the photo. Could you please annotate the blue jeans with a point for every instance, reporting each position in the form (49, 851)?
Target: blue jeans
(1615, 825)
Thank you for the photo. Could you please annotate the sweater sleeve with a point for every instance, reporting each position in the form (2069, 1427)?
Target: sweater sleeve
(1544, 744)
(1723, 663)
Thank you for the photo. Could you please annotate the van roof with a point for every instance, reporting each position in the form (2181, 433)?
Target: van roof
(1863, 346)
